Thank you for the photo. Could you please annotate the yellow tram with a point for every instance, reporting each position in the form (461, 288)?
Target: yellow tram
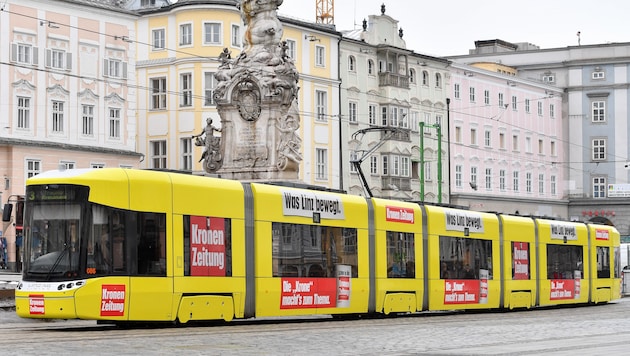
(124, 245)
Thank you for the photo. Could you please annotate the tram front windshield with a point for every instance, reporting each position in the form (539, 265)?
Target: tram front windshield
(54, 232)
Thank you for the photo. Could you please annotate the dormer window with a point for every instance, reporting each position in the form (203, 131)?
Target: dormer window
(598, 74)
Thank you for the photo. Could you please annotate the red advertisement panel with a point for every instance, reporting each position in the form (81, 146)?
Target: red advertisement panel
(398, 214)
(207, 246)
(562, 289)
(298, 293)
(521, 260)
(601, 234)
(113, 300)
(461, 291)
(36, 304)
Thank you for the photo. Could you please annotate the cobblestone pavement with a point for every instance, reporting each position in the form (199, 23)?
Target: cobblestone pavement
(593, 330)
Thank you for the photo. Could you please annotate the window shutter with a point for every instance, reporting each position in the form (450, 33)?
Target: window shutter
(69, 61)
(48, 57)
(35, 55)
(13, 52)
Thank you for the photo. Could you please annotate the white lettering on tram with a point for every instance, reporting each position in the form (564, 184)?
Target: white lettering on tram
(114, 294)
(207, 237)
(205, 258)
(521, 268)
(110, 305)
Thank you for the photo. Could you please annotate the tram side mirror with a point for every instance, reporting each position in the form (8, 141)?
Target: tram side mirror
(6, 212)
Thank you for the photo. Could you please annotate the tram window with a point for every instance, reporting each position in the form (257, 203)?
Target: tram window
(464, 258)
(564, 262)
(207, 246)
(520, 261)
(401, 262)
(151, 252)
(603, 262)
(312, 250)
(617, 262)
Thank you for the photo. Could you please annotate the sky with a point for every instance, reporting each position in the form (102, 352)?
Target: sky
(445, 28)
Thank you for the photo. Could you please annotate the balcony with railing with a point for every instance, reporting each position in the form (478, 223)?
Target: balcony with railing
(386, 79)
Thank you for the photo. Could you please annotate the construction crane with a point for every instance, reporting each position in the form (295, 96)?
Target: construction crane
(325, 11)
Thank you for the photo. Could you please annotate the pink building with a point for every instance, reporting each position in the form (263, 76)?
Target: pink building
(507, 143)
(67, 95)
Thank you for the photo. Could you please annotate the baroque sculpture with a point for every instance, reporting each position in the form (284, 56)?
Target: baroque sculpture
(256, 97)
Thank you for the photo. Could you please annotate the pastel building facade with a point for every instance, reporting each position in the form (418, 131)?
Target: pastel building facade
(67, 95)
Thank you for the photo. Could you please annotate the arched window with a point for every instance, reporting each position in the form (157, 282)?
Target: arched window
(425, 77)
(352, 64)
(370, 67)
(412, 75)
(438, 80)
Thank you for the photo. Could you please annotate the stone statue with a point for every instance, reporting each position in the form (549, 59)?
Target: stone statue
(212, 143)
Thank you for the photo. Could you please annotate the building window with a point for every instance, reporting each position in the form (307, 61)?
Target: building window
(186, 89)
(552, 188)
(322, 105)
(472, 94)
(515, 143)
(291, 49)
(212, 33)
(541, 183)
(487, 139)
(528, 182)
(23, 53)
(236, 36)
(210, 85)
(373, 165)
(486, 97)
(67, 164)
(404, 166)
(114, 68)
(185, 34)
(473, 137)
(87, 120)
(502, 140)
(59, 59)
(98, 165)
(599, 111)
(159, 39)
(321, 163)
(412, 76)
(158, 93)
(473, 177)
(57, 116)
(385, 161)
(114, 123)
(370, 64)
(23, 112)
(427, 172)
(527, 106)
(540, 108)
(320, 56)
(393, 117)
(549, 78)
(458, 134)
(158, 154)
(515, 182)
(599, 187)
(514, 103)
(456, 90)
(599, 149)
(552, 111)
(528, 144)
(552, 148)
(33, 167)
(488, 178)
(186, 146)
(502, 180)
(425, 77)
(458, 175)
(599, 75)
(501, 100)
(352, 112)
(354, 156)
(372, 114)
(438, 80)
(352, 64)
